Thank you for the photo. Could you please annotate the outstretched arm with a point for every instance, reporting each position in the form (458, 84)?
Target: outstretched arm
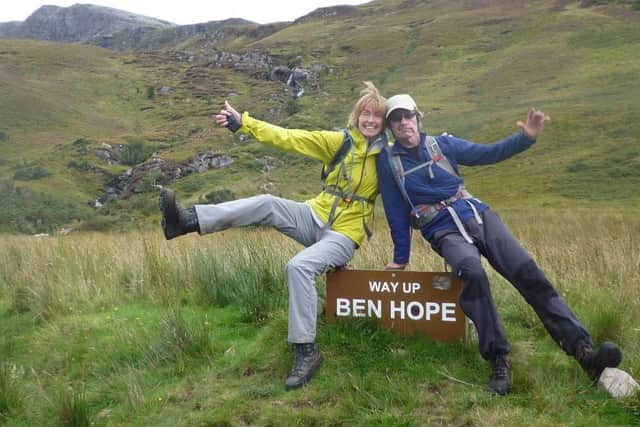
(320, 145)
(471, 154)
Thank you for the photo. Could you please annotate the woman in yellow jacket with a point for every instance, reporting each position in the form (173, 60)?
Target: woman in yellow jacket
(331, 226)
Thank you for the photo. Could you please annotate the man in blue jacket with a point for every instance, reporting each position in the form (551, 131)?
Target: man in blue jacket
(422, 189)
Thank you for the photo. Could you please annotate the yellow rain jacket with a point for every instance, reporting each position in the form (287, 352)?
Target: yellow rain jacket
(350, 217)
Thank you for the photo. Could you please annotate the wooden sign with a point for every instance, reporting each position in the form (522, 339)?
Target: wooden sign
(407, 302)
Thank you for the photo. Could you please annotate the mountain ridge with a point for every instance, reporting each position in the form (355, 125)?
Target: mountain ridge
(77, 23)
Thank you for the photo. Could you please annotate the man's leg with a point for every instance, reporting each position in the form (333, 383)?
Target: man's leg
(477, 303)
(476, 299)
(512, 261)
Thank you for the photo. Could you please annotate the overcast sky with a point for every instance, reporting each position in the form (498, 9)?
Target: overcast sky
(184, 12)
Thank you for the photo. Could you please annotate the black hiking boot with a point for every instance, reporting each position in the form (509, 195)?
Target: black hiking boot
(593, 363)
(308, 360)
(175, 220)
(500, 379)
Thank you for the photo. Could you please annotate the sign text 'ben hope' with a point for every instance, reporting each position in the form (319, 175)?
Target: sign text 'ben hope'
(404, 301)
(396, 309)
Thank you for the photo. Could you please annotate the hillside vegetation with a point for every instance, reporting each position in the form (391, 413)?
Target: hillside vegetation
(474, 67)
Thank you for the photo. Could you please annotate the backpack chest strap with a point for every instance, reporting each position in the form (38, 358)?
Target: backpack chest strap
(346, 196)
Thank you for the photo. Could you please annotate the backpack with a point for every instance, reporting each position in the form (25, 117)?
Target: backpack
(421, 215)
(341, 194)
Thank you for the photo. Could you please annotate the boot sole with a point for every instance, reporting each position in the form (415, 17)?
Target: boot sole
(169, 213)
(499, 392)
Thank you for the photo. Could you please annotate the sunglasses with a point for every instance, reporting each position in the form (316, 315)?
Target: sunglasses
(397, 116)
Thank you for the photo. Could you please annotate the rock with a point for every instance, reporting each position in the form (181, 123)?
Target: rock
(301, 74)
(280, 73)
(209, 160)
(245, 61)
(266, 188)
(617, 383)
(156, 173)
(111, 155)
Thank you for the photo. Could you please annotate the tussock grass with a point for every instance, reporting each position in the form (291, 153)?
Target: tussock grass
(73, 409)
(178, 340)
(10, 397)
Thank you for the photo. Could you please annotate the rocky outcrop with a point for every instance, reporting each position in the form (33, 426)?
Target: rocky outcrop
(249, 61)
(79, 23)
(149, 38)
(119, 30)
(157, 172)
(110, 154)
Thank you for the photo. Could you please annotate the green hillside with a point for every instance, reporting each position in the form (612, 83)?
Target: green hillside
(474, 67)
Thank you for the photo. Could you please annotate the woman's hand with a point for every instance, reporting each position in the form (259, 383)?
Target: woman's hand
(229, 118)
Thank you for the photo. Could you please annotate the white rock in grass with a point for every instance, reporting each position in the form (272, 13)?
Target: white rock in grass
(617, 383)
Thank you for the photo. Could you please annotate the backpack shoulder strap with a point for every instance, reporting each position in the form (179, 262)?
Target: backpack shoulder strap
(395, 164)
(438, 157)
(341, 153)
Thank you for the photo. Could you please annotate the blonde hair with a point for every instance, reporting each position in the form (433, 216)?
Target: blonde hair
(370, 96)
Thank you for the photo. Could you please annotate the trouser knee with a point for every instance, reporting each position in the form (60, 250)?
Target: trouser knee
(266, 200)
(472, 273)
(291, 268)
(295, 269)
(533, 283)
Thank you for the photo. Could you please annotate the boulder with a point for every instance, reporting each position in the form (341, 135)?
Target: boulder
(618, 383)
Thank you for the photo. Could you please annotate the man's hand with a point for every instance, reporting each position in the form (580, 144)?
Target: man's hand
(394, 266)
(535, 123)
(229, 117)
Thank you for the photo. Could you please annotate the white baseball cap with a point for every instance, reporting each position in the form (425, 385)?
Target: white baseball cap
(402, 101)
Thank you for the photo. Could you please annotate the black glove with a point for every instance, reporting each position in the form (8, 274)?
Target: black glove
(232, 123)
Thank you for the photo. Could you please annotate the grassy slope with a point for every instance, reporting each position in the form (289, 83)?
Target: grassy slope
(474, 67)
(138, 331)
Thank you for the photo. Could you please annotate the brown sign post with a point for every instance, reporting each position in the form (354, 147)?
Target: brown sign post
(407, 302)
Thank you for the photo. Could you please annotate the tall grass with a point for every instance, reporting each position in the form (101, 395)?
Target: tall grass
(593, 260)
(138, 324)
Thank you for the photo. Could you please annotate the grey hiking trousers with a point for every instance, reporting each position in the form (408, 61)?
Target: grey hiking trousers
(505, 254)
(324, 249)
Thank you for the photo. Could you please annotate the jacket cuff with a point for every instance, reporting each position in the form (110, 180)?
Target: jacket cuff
(531, 141)
(245, 121)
